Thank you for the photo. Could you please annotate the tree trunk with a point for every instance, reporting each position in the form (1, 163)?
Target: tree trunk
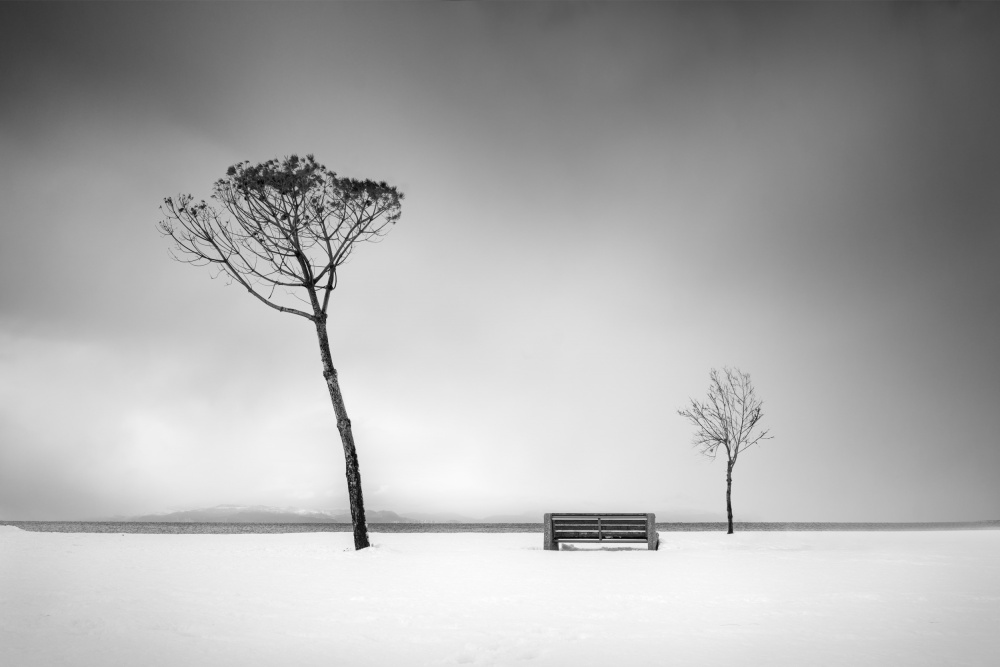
(346, 437)
(729, 498)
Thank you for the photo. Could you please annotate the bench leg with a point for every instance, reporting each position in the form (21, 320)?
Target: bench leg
(550, 539)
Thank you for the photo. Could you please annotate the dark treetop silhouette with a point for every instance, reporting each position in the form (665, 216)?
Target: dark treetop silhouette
(281, 230)
(727, 420)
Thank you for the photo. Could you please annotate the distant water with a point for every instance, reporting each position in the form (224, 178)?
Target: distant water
(235, 528)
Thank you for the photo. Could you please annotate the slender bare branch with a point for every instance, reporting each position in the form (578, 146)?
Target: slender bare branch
(281, 224)
(728, 420)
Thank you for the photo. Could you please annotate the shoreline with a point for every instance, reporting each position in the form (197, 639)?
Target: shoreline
(179, 528)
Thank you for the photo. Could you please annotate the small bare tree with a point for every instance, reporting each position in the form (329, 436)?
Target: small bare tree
(728, 420)
(281, 229)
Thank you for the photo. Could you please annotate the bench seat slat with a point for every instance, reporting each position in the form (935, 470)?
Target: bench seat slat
(593, 517)
(630, 515)
(606, 529)
(605, 538)
(594, 524)
(566, 534)
(613, 529)
(624, 540)
(612, 526)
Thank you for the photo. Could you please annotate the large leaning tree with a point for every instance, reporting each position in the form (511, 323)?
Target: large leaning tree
(282, 229)
(729, 421)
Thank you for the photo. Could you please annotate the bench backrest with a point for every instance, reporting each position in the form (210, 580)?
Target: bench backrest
(566, 527)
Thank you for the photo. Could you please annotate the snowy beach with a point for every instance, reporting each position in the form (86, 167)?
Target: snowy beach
(754, 598)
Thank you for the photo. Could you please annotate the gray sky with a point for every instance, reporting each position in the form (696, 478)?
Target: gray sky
(602, 203)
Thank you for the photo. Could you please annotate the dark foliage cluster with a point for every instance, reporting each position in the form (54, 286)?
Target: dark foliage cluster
(283, 225)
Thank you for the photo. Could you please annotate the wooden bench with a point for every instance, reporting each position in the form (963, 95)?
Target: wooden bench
(608, 529)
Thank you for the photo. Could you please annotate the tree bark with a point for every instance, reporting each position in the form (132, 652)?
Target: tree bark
(729, 497)
(346, 437)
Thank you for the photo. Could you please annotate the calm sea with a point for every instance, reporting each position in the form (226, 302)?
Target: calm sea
(232, 528)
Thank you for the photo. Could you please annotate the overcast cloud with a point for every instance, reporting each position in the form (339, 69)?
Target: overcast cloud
(603, 201)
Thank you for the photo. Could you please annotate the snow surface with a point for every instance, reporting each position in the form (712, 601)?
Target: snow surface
(754, 598)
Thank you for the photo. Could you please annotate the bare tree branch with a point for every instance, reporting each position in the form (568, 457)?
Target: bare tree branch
(727, 420)
(272, 228)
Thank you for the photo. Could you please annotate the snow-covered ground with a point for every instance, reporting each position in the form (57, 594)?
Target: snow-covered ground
(767, 598)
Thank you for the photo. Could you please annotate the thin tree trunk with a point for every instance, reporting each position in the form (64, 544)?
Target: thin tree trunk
(729, 498)
(346, 437)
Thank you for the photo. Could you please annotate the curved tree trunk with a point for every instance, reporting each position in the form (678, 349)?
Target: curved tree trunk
(729, 498)
(346, 437)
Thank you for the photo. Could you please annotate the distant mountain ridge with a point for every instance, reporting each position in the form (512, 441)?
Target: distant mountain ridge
(264, 514)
